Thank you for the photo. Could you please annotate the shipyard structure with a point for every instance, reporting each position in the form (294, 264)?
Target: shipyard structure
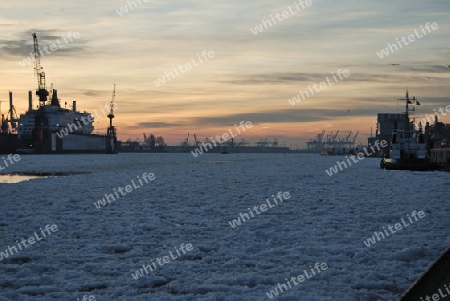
(49, 128)
(157, 144)
(333, 144)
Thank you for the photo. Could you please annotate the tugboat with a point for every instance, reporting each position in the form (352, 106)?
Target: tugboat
(407, 150)
(324, 153)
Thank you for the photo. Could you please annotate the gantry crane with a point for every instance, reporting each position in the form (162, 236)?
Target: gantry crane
(197, 142)
(354, 138)
(347, 139)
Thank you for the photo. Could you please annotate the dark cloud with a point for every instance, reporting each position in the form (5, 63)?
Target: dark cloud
(285, 78)
(92, 93)
(275, 78)
(425, 68)
(156, 124)
(384, 74)
(22, 45)
(284, 116)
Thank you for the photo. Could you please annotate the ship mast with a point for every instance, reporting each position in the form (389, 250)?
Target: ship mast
(408, 102)
(40, 74)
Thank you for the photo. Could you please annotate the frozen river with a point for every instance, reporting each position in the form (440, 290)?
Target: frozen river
(175, 227)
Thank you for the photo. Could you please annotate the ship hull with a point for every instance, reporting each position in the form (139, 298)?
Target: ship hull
(8, 143)
(408, 164)
(46, 142)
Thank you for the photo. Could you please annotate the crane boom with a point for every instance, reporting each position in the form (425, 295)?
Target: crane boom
(40, 74)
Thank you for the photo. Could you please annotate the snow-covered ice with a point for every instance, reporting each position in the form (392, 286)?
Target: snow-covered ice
(191, 201)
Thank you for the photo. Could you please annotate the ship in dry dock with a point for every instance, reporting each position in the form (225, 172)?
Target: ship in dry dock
(50, 128)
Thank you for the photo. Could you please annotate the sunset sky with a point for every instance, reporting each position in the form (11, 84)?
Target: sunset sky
(250, 78)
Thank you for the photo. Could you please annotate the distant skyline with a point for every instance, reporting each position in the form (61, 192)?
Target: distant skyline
(387, 47)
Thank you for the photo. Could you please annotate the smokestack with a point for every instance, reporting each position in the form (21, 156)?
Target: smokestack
(74, 107)
(30, 101)
(10, 106)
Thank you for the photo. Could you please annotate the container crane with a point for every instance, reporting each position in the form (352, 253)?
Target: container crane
(320, 136)
(335, 136)
(146, 141)
(348, 137)
(197, 143)
(354, 138)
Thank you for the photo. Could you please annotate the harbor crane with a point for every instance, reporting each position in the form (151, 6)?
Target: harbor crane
(348, 136)
(320, 137)
(146, 140)
(111, 106)
(111, 131)
(335, 136)
(243, 142)
(40, 74)
(262, 142)
(356, 135)
(196, 141)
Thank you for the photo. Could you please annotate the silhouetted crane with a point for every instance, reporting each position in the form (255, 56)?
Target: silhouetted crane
(40, 74)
